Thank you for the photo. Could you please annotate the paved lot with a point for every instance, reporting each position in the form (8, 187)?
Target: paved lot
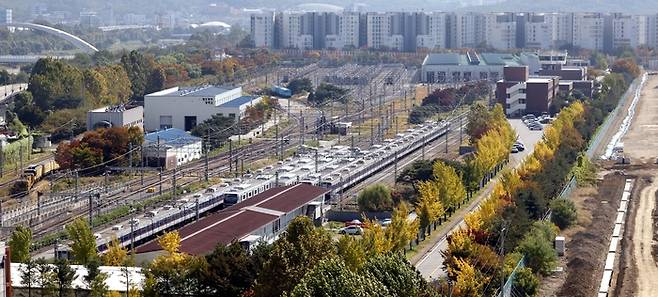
(641, 141)
(431, 264)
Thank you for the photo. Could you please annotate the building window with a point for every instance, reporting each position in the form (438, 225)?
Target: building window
(276, 225)
(231, 115)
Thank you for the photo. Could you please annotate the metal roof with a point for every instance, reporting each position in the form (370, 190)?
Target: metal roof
(443, 59)
(237, 102)
(202, 91)
(241, 219)
(171, 136)
(483, 59)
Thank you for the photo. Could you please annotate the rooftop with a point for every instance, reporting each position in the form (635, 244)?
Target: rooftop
(202, 91)
(483, 59)
(171, 136)
(240, 220)
(237, 102)
(114, 108)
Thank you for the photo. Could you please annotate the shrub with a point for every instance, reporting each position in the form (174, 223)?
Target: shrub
(537, 246)
(375, 198)
(563, 213)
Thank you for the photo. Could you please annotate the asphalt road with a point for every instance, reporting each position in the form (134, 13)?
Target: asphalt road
(431, 264)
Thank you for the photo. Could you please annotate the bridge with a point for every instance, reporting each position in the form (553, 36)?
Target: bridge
(75, 40)
(10, 90)
(10, 59)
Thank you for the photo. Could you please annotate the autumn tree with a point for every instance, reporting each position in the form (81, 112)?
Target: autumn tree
(451, 190)
(401, 231)
(83, 242)
(116, 254)
(20, 243)
(350, 250)
(428, 206)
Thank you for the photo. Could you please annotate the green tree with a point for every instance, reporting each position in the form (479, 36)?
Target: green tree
(331, 278)
(230, 271)
(47, 279)
(144, 74)
(563, 213)
(83, 243)
(327, 92)
(537, 246)
(55, 84)
(29, 276)
(296, 252)
(119, 85)
(65, 275)
(398, 276)
(375, 198)
(95, 279)
(27, 111)
(300, 84)
(20, 243)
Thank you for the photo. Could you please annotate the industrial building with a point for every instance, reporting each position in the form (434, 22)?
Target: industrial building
(454, 67)
(184, 108)
(170, 148)
(116, 116)
(261, 218)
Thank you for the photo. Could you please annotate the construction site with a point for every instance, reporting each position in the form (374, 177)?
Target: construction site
(611, 250)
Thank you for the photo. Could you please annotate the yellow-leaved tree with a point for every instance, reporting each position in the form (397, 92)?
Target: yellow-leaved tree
(451, 189)
(401, 231)
(116, 254)
(428, 206)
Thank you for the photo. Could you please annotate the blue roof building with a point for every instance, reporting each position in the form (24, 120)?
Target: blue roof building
(171, 147)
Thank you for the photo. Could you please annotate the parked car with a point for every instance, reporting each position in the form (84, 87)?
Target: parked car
(514, 150)
(536, 128)
(351, 230)
(354, 223)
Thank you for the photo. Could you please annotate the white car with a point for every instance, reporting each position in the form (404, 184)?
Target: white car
(351, 230)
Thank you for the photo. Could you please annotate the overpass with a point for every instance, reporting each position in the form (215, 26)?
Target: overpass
(75, 40)
(10, 90)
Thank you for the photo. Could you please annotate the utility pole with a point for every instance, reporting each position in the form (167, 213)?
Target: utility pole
(130, 156)
(173, 184)
(77, 183)
(91, 207)
(301, 128)
(395, 168)
(316, 161)
(423, 148)
(160, 183)
(230, 156)
(141, 163)
(447, 131)
(20, 157)
(207, 153)
(197, 208)
(461, 129)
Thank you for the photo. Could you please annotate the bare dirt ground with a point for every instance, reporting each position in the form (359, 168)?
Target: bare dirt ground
(638, 269)
(641, 141)
(587, 242)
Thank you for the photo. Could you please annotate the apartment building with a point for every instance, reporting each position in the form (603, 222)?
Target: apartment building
(589, 30)
(540, 31)
(501, 30)
(409, 31)
(433, 31)
(629, 30)
(262, 29)
(467, 30)
(349, 24)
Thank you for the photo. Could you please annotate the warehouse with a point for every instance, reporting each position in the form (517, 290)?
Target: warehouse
(171, 148)
(455, 67)
(184, 108)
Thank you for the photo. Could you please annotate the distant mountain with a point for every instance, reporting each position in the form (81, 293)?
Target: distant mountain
(22, 8)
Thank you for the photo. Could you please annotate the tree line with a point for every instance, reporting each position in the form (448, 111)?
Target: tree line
(516, 208)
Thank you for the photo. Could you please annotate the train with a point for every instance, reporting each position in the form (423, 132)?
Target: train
(281, 92)
(33, 174)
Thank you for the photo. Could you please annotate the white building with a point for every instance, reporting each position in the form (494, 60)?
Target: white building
(467, 30)
(116, 116)
(291, 28)
(541, 31)
(184, 108)
(5, 16)
(589, 31)
(262, 29)
(629, 31)
(378, 30)
(170, 148)
(348, 28)
(501, 30)
(437, 29)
